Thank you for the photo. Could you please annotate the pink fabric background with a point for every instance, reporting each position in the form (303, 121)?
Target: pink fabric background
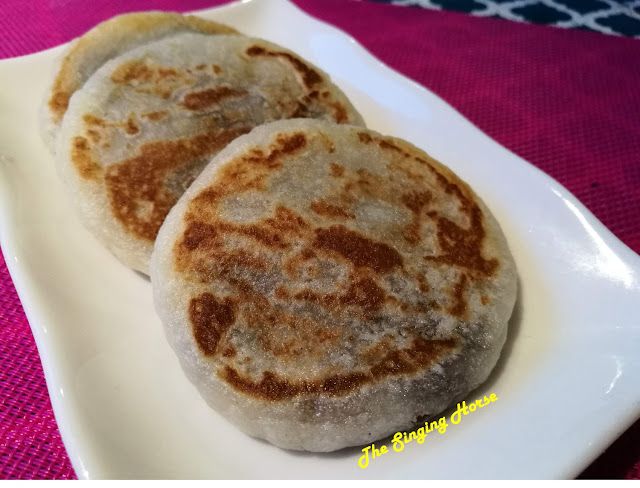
(566, 100)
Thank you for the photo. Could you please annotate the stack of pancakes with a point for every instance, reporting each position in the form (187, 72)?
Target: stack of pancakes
(323, 285)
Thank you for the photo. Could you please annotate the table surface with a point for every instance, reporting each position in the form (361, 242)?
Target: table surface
(564, 99)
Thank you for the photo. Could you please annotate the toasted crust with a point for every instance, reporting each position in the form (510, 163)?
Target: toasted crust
(147, 122)
(315, 270)
(106, 41)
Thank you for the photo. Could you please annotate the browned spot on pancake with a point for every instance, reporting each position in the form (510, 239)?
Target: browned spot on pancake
(386, 144)
(229, 352)
(95, 123)
(463, 247)
(407, 361)
(144, 76)
(377, 352)
(251, 297)
(422, 283)
(94, 135)
(286, 220)
(137, 189)
(307, 254)
(485, 300)
(135, 70)
(458, 294)
(167, 73)
(239, 177)
(201, 66)
(270, 386)
(155, 116)
(326, 299)
(367, 183)
(216, 69)
(339, 112)
(418, 356)
(340, 384)
(301, 111)
(215, 260)
(364, 293)
(364, 137)
(395, 363)
(271, 232)
(285, 145)
(337, 170)
(281, 293)
(58, 103)
(82, 158)
(415, 201)
(198, 234)
(131, 127)
(322, 207)
(90, 119)
(361, 251)
(264, 236)
(210, 318)
(206, 98)
(293, 264)
(309, 76)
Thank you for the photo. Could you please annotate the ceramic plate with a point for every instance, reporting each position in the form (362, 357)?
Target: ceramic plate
(568, 381)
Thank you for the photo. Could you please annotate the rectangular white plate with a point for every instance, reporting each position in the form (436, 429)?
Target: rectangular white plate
(568, 381)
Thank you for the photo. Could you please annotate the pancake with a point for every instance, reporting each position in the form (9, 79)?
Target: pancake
(105, 41)
(324, 286)
(145, 124)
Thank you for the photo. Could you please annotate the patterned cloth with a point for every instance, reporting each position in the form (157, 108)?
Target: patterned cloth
(605, 16)
(565, 100)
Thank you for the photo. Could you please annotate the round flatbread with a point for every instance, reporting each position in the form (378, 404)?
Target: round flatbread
(145, 124)
(324, 286)
(107, 40)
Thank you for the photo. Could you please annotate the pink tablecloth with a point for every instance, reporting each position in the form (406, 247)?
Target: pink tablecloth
(566, 100)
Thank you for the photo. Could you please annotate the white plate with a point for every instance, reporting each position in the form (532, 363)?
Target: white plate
(568, 382)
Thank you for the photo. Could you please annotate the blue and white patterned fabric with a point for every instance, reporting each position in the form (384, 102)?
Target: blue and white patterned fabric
(605, 16)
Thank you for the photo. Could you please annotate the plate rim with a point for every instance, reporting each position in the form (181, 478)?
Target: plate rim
(24, 281)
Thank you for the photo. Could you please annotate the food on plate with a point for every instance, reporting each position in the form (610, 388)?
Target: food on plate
(107, 40)
(143, 126)
(324, 285)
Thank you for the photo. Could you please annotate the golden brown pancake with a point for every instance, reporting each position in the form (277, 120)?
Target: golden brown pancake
(145, 124)
(325, 286)
(104, 42)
